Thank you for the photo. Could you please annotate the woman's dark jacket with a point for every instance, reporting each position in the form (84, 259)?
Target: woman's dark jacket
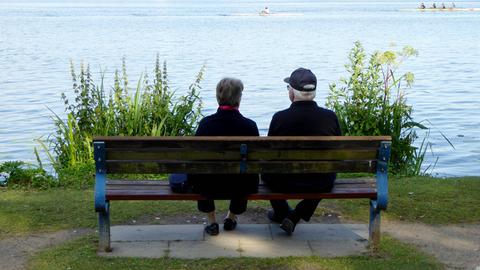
(225, 186)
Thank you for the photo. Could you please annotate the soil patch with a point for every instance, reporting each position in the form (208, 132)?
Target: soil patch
(15, 251)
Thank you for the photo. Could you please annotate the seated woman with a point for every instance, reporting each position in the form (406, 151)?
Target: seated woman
(227, 121)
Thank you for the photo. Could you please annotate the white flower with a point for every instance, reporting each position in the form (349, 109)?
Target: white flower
(4, 178)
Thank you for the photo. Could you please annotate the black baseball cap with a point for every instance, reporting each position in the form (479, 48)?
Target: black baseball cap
(302, 79)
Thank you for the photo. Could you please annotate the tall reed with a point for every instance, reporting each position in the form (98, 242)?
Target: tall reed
(151, 108)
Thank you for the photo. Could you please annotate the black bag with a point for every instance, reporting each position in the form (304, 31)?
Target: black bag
(179, 183)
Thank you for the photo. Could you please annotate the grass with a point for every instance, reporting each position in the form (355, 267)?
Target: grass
(423, 199)
(25, 212)
(81, 254)
(417, 199)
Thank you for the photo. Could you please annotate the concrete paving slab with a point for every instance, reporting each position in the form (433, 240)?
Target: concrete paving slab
(319, 232)
(275, 248)
(204, 249)
(360, 229)
(338, 248)
(248, 240)
(156, 233)
(244, 233)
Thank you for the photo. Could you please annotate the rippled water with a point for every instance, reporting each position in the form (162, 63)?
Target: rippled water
(38, 39)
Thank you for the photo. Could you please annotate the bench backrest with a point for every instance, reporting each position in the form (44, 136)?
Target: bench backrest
(233, 155)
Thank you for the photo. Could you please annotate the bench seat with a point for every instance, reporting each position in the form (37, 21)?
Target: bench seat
(160, 190)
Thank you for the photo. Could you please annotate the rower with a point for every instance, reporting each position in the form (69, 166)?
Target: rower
(422, 6)
(434, 5)
(265, 11)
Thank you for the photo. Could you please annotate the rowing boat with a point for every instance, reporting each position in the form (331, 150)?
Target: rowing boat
(441, 9)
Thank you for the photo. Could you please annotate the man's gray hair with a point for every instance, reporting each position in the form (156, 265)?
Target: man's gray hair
(229, 92)
(302, 95)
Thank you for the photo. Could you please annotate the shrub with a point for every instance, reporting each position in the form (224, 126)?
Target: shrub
(151, 110)
(372, 101)
(21, 174)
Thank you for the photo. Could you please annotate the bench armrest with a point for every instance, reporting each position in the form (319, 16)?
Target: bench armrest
(382, 175)
(100, 177)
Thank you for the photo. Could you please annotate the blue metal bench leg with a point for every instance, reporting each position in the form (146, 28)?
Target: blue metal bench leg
(374, 226)
(104, 229)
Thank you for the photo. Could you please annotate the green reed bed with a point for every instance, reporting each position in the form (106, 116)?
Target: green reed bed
(149, 108)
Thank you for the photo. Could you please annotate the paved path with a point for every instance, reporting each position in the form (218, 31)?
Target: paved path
(15, 251)
(456, 246)
(249, 240)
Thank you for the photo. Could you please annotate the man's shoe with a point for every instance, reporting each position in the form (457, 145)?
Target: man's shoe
(288, 226)
(212, 229)
(273, 217)
(229, 224)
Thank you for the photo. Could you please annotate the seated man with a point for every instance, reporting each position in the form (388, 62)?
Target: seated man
(303, 118)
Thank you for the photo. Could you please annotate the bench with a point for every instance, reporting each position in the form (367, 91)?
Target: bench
(234, 155)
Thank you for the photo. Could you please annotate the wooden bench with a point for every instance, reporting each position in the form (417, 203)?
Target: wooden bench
(234, 155)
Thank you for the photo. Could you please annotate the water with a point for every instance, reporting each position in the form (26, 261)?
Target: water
(38, 39)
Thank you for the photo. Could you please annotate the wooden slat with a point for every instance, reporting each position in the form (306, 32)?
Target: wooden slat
(348, 181)
(241, 138)
(161, 187)
(264, 193)
(254, 143)
(188, 154)
(220, 167)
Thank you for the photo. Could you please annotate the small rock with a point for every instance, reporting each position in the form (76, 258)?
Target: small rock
(157, 218)
(410, 193)
(134, 221)
(188, 221)
(329, 215)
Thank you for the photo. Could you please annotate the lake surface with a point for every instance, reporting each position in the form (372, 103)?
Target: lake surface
(39, 38)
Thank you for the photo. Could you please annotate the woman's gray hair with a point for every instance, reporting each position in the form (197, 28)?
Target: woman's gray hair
(229, 92)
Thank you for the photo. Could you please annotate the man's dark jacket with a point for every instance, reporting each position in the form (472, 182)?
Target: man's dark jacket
(225, 123)
(303, 118)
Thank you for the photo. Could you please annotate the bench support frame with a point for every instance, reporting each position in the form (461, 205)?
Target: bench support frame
(104, 230)
(376, 206)
(101, 203)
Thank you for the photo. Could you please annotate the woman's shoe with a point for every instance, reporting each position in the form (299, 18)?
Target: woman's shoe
(229, 224)
(212, 229)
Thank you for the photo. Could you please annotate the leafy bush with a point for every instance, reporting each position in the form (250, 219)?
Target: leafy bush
(371, 101)
(21, 174)
(151, 110)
